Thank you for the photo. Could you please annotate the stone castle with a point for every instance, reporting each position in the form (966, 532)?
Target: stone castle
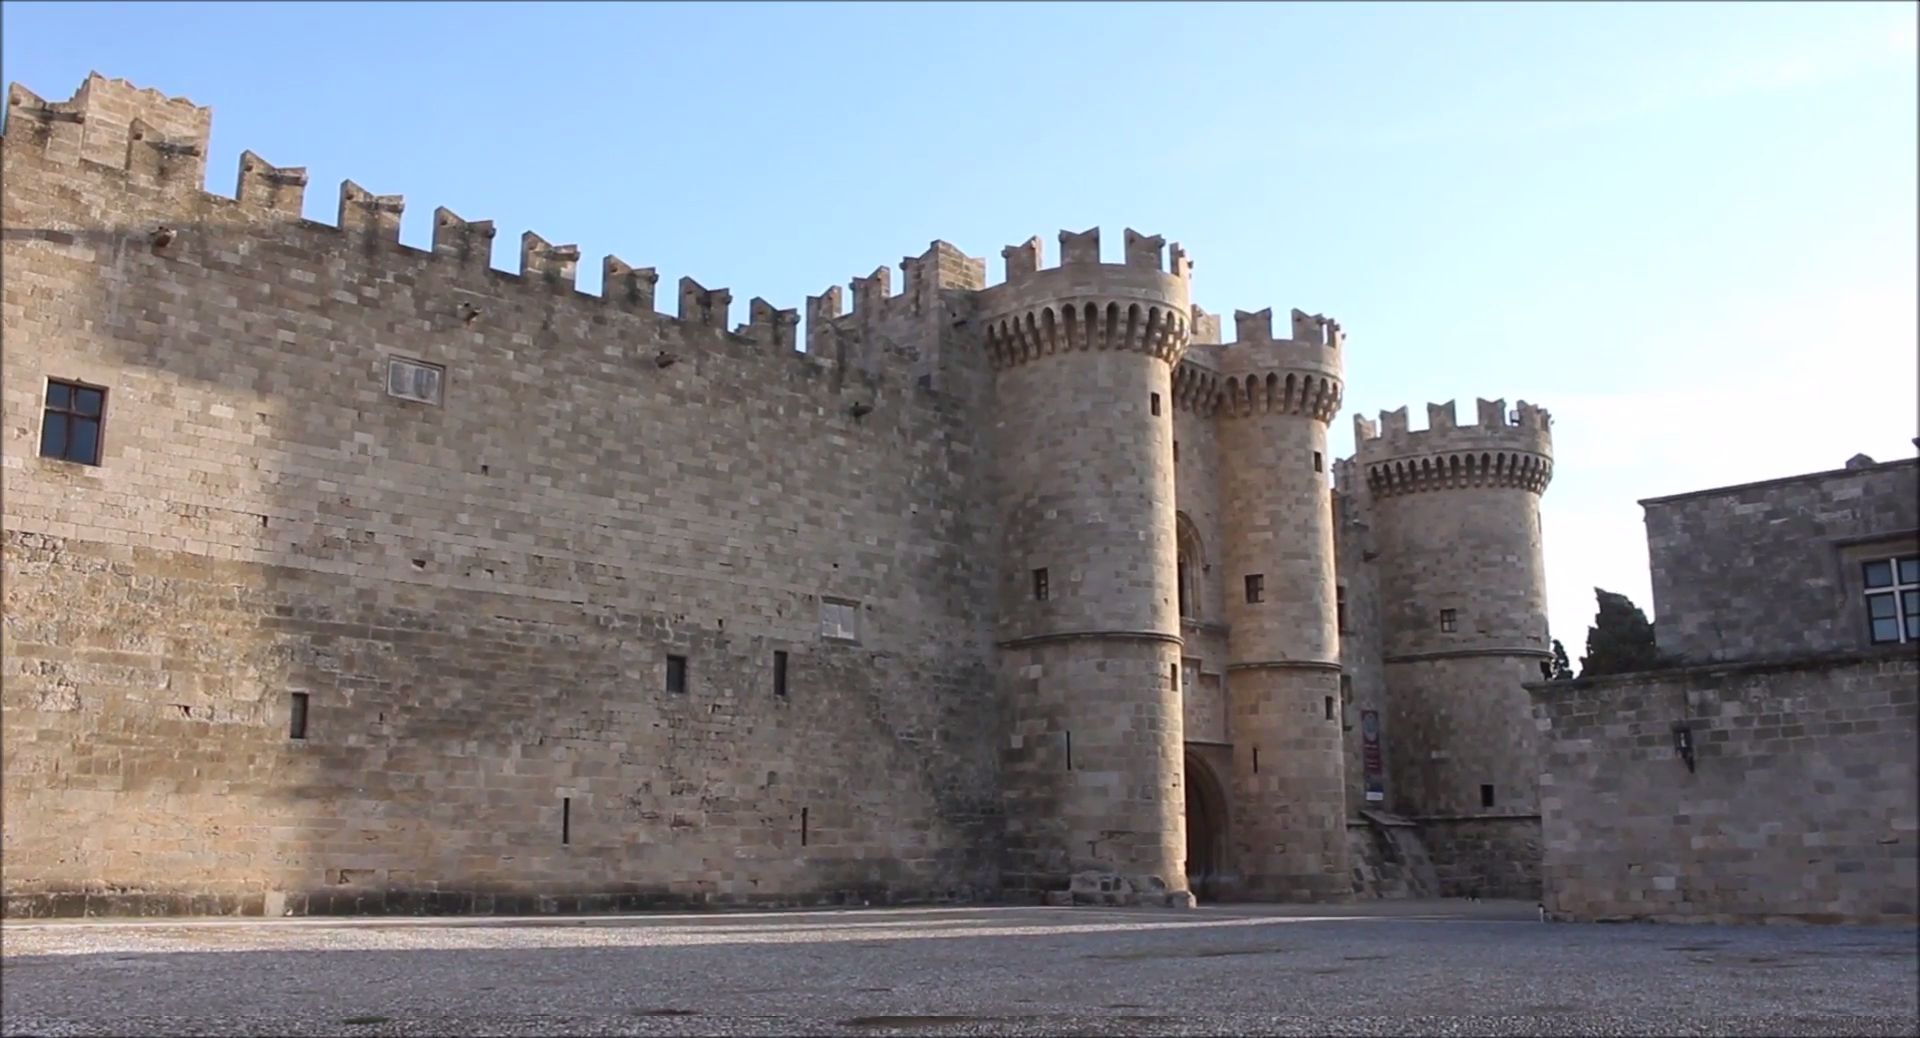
(346, 576)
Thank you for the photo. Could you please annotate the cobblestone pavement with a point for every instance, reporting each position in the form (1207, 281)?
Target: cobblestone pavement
(1430, 968)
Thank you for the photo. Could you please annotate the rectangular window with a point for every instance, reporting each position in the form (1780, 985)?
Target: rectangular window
(566, 820)
(1256, 587)
(70, 429)
(1893, 599)
(1340, 609)
(414, 380)
(1449, 619)
(1329, 706)
(1153, 402)
(839, 619)
(1486, 796)
(297, 716)
(676, 675)
(1319, 462)
(1040, 584)
(1346, 702)
(779, 673)
(1176, 452)
(1173, 675)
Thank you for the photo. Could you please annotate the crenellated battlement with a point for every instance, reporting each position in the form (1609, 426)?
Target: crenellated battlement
(1308, 329)
(1081, 249)
(1502, 448)
(1084, 304)
(144, 140)
(1259, 374)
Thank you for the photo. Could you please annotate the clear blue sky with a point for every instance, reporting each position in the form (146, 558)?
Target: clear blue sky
(1688, 230)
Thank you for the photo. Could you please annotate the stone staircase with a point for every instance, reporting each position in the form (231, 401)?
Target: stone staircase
(1389, 861)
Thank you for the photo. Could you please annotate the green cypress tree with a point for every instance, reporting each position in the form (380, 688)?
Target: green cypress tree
(1620, 640)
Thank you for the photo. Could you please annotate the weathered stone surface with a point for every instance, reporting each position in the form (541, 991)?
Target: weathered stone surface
(1799, 805)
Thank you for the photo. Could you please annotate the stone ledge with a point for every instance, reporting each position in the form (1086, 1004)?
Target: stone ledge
(426, 903)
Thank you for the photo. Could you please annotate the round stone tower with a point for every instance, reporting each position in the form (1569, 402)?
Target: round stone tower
(1462, 601)
(1283, 669)
(1089, 623)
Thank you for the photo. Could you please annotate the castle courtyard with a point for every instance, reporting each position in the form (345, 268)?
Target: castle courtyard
(1412, 968)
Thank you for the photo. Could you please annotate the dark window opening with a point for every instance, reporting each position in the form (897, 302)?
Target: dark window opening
(1449, 619)
(779, 673)
(1173, 675)
(1181, 580)
(803, 827)
(1319, 462)
(1256, 760)
(1069, 751)
(1153, 401)
(1256, 587)
(1340, 609)
(1486, 795)
(566, 820)
(1329, 708)
(1040, 584)
(1346, 701)
(1176, 452)
(297, 722)
(676, 675)
(70, 429)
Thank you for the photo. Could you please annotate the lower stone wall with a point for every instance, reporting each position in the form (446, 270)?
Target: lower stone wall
(1799, 803)
(1485, 856)
(461, 752)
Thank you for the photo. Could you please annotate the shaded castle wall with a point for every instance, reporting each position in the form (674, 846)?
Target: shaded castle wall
(1203, 626)
(1363, 679)
(1800, 806)
(477, 598)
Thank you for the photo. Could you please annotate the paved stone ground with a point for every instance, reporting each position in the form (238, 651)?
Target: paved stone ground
(1430, 968)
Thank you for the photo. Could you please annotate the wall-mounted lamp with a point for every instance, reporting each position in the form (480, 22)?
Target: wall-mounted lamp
(1683, 743)
(861, 409)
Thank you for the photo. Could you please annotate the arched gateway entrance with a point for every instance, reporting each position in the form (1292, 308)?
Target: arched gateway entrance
(1206, 830)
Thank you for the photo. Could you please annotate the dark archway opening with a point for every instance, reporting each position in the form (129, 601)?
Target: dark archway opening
(1206, 831)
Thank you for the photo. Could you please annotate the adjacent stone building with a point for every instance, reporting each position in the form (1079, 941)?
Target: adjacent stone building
(1768, 770)
(347, 576)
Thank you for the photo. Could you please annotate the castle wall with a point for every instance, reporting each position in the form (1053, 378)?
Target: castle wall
(1795, 545)
(1800, 804)
(475, 602)
(477, 599)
